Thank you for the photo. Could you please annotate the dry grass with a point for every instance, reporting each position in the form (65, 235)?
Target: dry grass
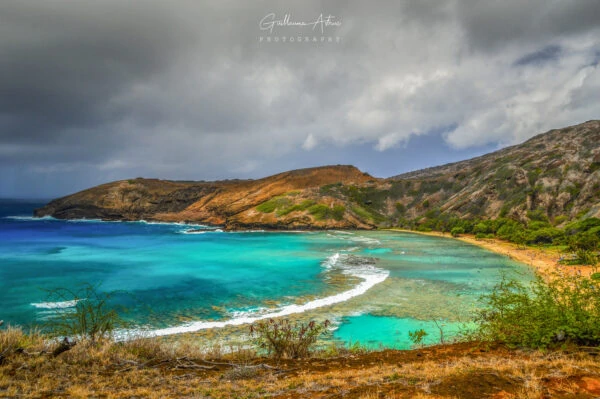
(156, 368)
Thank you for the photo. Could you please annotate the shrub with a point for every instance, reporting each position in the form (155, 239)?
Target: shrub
(400, 208)
(586, 241)
(457, 231)
(482, 228)
(417, 336)
(92, 317)
(565, 310)
(282, 338)
(586, 257)
(538, 215)
(545, 235)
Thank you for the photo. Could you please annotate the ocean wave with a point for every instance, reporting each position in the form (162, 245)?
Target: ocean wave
(193, 231)
(29, 218)
(368, 273)
(347, 236)
(366, 240)
(55, 305)
(151, 222)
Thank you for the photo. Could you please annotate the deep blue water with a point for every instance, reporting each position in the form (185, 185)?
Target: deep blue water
(169, 278)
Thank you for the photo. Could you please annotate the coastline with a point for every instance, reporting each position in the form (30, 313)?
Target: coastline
(543, 260)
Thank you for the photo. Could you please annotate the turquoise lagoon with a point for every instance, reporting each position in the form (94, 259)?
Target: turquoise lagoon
(173, 278)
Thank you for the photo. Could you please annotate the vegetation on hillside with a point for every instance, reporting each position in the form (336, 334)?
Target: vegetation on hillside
(581, 238)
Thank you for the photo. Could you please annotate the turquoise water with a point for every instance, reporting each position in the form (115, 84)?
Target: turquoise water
(393, 331)
(175, 278)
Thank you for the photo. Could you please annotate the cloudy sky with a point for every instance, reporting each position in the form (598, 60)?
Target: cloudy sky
(99, 90)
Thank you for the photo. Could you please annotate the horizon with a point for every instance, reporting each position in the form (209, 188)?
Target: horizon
(105, 91)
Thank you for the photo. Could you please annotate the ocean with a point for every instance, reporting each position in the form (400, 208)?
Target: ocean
(175, 277)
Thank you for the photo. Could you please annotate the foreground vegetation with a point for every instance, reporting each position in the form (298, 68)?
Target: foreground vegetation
(156, 369)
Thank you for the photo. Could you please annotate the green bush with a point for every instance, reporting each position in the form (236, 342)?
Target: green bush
(457, 231)
(585, 257)
(563, 311)
(538, 215)
(586, 241)
(282, 338)
(482, 228)
(400, 208)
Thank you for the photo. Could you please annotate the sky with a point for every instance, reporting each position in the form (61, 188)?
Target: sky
(93, 91)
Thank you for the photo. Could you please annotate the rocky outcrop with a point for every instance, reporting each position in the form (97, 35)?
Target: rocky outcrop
(557, 173)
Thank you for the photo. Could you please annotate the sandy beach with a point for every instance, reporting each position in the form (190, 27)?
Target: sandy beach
(543, 260)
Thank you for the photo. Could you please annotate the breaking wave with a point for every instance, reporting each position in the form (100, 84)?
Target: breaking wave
(362, 268)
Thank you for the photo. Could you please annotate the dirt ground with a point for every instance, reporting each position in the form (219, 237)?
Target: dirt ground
(461, 370)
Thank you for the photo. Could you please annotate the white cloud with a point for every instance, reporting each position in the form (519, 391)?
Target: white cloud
(310, 142)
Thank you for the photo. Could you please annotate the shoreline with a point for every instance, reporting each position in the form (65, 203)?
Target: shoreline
(543, 260)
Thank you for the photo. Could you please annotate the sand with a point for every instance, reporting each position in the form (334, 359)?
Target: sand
(543, 260)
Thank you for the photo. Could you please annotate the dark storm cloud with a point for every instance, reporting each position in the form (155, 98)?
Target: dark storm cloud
(490, 25)
(546, 54)
(98, 90)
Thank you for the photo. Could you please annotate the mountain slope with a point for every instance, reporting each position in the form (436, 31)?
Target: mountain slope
(556, 173)
(229, 203)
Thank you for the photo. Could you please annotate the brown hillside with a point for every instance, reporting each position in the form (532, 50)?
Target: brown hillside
(557, 173)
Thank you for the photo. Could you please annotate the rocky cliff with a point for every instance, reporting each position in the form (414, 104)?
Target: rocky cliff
(557, 173)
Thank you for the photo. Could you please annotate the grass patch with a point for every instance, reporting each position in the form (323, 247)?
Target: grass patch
(304, 205)
(366, 214)
(323, 212)
(273, 204)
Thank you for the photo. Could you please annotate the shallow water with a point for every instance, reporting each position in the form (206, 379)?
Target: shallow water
(176, 278)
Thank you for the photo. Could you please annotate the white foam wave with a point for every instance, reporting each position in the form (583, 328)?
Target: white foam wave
(55, 305)
(369, 275)
(29, 218)
(152, 222)
(193, 231)
(365, 240)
